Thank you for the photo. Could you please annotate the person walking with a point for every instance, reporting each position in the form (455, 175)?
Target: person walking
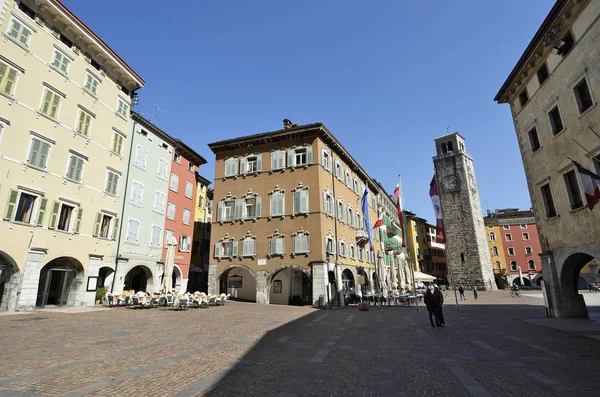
(431, 307)
(438, 299)
(461, 290)
(475, 292)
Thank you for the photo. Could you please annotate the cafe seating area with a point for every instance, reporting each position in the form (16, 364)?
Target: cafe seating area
(390, 300)
(171, 300)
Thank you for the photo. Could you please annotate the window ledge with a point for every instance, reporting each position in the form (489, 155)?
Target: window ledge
(63, 74)
(551, 218)
(32, 225)
(132, 243)
(537, 151)
(577, 209)
(118, 114)
(586, 111)
(138, 205)
(35, 167)
(91, 94)
(47, 117)
(64, 231)
(281, 255)
(110, 194)
(17, 42)
(559, 133)
(10, 97)
(138, 167)
(66, 178)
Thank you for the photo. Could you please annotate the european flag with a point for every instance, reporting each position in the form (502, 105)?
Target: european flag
(365, 210)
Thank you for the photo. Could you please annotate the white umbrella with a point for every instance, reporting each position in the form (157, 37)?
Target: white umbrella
(167, 284)
(521, 275)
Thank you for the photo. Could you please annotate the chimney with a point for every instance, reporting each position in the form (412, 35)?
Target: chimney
(287, 124)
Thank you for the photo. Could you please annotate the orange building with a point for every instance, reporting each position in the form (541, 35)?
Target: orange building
(180, 210)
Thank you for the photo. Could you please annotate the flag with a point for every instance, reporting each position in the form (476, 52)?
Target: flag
(591, 185)
(365, 210)
(378, 223)
(400, 211)
(437, 207)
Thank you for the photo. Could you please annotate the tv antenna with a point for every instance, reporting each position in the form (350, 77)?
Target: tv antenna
(155, 108)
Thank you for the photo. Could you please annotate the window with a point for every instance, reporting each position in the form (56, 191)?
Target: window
(117, 144)
(556, 123)
(159, 202)
(508, 237)
(300, 156)
(122, 108)
(301, 202)
(51, 103)
(492, 236)
(277, 204)
(171, 207)
(573, 192)
(104, 225)
(226, 249)
(189, 189)
(225, 211)
(506, 227)
(191, 166)
(525, 236)
(186, 216)
(168, 235)
(565, 45)
(528, 251)
(338, 170)
(174, 185)
(542, 73)
(141, 157)
(301, 244)
(342, 249)
(361, 254)
(348, 179)
(61, 62)
(250, 164)
(359, 222)
(278, 160)
(511, 251)
(184, 243)
(84, 122)
(523, 97)
(329, 245)
(163, 169)
(596, 163)
(20, 33)
(230, 167)
(137, 193)
(328, 203)
(276, 244)
(91, 85)
(548, 201)
(251, 209)
(8, 78)
(155, 237)
(352, 252)
(63, 213)
(350, 217)
(534, 140)
(583, 96)
(513, 266)
(38, 153)
(494, 251)
(531, 265)
(25, 206)
(326, 159)
(112, 181)
(249, 247)
(356, 187)
(341, 212)
(523, 226)
(177, 157)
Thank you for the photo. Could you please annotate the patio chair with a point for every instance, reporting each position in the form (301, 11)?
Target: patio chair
(162, 301)
(170, 300)
(135, 301)
(183, 302)
(212, 301)
(108, 299)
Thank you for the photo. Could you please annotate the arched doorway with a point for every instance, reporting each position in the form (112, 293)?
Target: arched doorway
(290, 285)
(105, 277)
(60, 282)
(9, 283)
(139, 278)
(349, 286)
(571, 282)
(238, 281)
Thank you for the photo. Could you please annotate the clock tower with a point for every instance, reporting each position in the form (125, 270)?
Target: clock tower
(467, 252)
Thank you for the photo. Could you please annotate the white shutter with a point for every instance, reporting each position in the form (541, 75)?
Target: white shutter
(220, 211)
(239, 209)
(304, 201)
(234, 248)
(218, 250)
(323, 159)
(258, 206)
(309, 155)
(325, 209)
(291, 158)
(242, 166)
(259, 162)
(272, 245)
(279, 245)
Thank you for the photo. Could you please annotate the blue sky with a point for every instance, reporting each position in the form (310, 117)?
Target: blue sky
(386, 77)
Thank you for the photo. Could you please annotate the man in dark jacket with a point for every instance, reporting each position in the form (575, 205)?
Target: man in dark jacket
(431, 307)
(438, 299)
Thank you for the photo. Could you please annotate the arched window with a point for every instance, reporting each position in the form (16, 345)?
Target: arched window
(444, 150)
(450, 147)
(531, 265)
(495, 251)
(513, 266)
(492, 236)
(498, 266)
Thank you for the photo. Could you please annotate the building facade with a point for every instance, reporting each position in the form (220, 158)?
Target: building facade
(289, 220)
(417, 240)
(552, 92)
(64, 111)
(514, 246)
(466, 246)
(435, 256)
(198, 280)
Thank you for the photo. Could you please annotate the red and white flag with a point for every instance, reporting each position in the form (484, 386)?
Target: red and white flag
(437, 207)
(400, 212)
(379, 222)
(591, 185)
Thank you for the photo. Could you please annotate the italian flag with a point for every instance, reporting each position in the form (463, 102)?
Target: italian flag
(379, 222)
(591, 185)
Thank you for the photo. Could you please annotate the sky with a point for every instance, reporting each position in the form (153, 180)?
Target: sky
(386, 77)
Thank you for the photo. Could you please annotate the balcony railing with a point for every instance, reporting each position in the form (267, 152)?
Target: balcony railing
(362, 237)
(499, 270)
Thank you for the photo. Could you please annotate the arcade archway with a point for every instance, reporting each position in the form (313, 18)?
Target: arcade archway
(9, 283)
(60, 282)
(139, 278)
(290, 285)
(239, 281)
(572, 281)
(349, 287)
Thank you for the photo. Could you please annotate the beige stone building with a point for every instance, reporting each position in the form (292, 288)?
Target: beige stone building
(287, 218)
(64, 108)
(553, 92)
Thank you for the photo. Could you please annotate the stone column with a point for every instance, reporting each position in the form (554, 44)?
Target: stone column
(339, 285)
(30, 279)
(213, 283)
(11, 287)
(319, 282)
(122, 267)
(83, 297)
(262, 287)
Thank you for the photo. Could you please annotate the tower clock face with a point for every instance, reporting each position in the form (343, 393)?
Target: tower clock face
(451, 183)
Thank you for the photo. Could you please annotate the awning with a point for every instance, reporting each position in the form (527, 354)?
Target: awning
(423, 277)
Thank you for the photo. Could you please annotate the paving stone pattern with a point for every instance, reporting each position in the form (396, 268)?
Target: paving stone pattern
(493, 347)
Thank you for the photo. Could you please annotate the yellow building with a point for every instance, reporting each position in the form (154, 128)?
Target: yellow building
(497, 251)
(417, 239)
(64, 109)
(201, 245)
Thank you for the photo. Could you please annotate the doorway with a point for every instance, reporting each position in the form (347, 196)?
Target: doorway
(56, 287)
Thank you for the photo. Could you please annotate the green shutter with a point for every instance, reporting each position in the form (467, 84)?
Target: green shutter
(10, 81)
(80, 123)
(55, 103)
(54, 215)
(97, 224)
(11, 204)
(78, 220)
(47, 102)
(115, 228)
(42, 211)
(86, 128)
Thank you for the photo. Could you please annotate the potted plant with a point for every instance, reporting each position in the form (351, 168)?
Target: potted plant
(100, 294)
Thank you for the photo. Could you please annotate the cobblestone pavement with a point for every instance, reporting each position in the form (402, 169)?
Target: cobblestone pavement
(496, 345)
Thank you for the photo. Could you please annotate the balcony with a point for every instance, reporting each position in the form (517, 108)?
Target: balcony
(362, 237)
(499, 271)
(434, 245)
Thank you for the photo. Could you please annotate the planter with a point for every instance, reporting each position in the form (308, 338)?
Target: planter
(363, 307)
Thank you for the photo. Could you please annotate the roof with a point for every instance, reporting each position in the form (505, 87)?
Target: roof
(61, 7)
(189, 154)
(297, 132)
(447, 135)
(203, 180)
(154, 129)
(548, 22)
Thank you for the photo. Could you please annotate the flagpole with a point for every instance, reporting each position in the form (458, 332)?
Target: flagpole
(409, 251)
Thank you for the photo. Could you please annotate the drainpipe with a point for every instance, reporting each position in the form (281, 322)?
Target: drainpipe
(335, 232)
(112, 287)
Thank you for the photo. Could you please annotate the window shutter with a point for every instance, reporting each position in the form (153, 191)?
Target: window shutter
(279, 244)
(274, 158)
(10, 81)
(47, 102)
(325, 209)
(291, 162)
(326, 241)
(341, 248)
(220, 211)
(242, 166)
(218, 250)
(309, 155)
(11, 204)
(296, 202)
(258, 206)
(234, 248)
(252, 247)
(272, 245)
(78, 220)
(55, 103)
(323, 160)
(239, 209)
(96, 231)
(259, 162)
(304, 201)
(333, 246)
(54, 216)
(41, 211)
(115, 228)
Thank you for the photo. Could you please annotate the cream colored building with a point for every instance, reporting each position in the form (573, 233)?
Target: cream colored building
(64, 108)
(553, 92)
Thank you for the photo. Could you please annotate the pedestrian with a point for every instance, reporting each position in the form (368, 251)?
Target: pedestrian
(429, 301)
(594, 287)
(438, 298)
(590, 286)
(475, 292)
(461, 290)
